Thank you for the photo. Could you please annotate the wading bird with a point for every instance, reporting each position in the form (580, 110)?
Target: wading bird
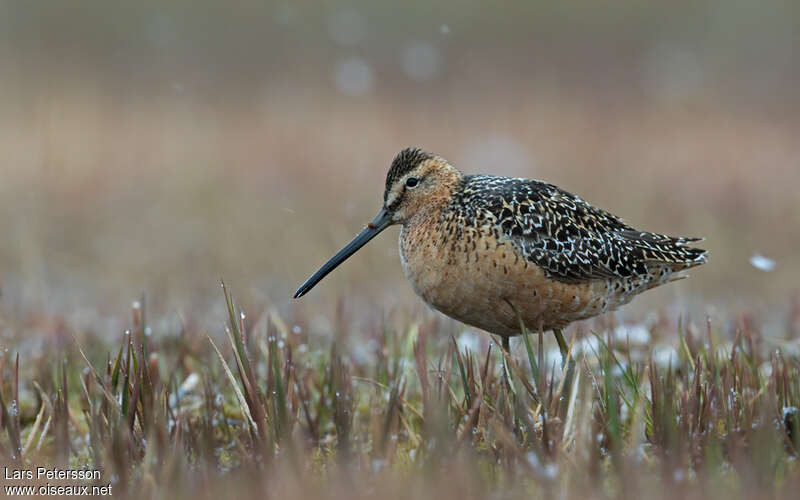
(496, 251)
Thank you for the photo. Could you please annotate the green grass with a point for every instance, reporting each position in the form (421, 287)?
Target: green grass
(257, 413)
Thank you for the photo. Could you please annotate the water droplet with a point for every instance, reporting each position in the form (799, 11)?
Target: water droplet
(762, 263)
(421, 61)
(353, 76)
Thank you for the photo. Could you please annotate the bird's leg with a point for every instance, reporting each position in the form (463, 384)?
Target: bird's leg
(506, 351)
(567, 387)
(511, 394)
(562, 345)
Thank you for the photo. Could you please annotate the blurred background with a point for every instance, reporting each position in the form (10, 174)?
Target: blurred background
(158, 146)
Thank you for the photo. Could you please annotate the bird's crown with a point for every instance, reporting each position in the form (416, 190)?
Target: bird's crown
(405, 161)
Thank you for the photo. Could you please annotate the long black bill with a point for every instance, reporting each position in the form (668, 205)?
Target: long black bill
(378, 224)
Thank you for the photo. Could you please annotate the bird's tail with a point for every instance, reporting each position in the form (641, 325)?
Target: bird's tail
(673, 253)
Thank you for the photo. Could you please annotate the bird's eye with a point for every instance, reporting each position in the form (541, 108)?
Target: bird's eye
(412, 182)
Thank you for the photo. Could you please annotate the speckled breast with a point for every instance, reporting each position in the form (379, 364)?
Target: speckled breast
(475, 278)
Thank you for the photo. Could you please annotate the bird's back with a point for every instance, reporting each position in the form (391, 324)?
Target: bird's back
(572, 240)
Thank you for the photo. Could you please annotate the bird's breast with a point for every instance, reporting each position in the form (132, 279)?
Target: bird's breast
(421, 254)
(474, 276)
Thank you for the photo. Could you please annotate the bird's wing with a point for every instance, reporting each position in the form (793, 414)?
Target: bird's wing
(575, 241)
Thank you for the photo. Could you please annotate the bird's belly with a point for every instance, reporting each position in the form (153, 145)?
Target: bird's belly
(478, 284)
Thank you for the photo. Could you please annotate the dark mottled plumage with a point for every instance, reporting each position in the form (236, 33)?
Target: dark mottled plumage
(566, 236)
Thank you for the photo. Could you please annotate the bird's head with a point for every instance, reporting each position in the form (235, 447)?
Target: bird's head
(416, 182)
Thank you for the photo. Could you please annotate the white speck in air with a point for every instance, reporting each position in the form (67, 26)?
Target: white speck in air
(353, 76)
(762, 263)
